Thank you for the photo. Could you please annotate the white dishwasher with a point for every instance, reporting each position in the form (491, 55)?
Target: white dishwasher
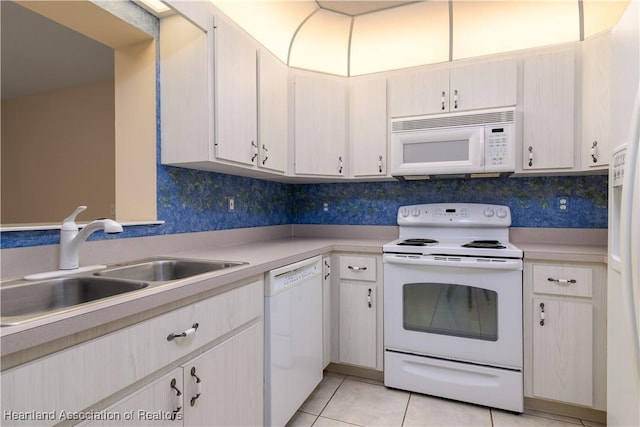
(293, 338)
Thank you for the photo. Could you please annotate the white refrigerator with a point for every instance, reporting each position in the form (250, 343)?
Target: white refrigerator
(623, 289)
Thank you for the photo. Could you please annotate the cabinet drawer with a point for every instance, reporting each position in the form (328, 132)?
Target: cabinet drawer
(358, 268)
(566, 280)
(65, 380)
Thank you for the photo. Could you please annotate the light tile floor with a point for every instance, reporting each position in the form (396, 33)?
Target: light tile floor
(341, 400)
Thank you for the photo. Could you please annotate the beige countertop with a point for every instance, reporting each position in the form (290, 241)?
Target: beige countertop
(563, 252)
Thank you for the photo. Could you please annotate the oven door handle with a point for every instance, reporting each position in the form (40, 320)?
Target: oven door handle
(454, 261)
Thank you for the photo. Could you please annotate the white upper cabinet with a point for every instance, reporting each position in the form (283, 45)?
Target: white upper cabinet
(320, 125)
(442, 89)
(235, 94)
(483, 85)
(416, 93)
(273, 111)
(185, 94)
(368, 127)
(596, 60)
(548, 111)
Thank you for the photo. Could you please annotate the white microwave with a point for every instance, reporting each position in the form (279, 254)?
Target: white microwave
(469, 144)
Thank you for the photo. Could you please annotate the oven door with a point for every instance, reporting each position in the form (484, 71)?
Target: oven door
(458, 308)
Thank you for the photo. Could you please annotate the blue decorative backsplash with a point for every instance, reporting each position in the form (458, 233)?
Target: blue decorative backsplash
(191, 201)
(533, 201)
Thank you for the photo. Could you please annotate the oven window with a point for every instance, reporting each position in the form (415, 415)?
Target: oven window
(455, 310)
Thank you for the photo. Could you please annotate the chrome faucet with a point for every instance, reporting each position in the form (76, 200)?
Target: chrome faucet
(71, 238)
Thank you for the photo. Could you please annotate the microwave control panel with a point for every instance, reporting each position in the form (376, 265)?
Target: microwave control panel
(499, 148)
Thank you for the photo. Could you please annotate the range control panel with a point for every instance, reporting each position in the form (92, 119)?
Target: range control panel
(455, 214)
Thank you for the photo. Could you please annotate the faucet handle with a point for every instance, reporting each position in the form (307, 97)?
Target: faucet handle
(69, 222)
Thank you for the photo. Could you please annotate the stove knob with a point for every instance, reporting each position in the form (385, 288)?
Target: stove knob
(404, 212)
(489, 212)
(415, 212)
(502, 213)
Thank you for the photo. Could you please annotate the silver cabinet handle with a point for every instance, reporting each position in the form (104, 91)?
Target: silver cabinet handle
(264, 153)
(192, 330)
(379, 164)
(340, 164)
(255, 151)
(455, 99)
(369, 298)
(593, 151)
(356, 268)
(177, 399)
(530, 156)
(541, 314)
(198, 386)
(443, 95)
(569, 281)
(326, 264)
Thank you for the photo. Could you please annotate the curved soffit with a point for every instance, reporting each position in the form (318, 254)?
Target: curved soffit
(350, 38)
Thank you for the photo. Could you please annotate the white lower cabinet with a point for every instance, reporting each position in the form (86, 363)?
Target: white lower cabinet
(565, 333)
(120, 368)
(360, 312)
(326, 310)
(221, 387)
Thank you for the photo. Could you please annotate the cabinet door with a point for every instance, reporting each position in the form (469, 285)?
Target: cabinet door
(595, 145)
(483, 85)
(235, 94)
(417, 93)
(548, 105)
(358, 324)
(186, 94)
(368, 127)
(320, 125)
(230, 378)
(563, 351)
(326, 310)
(273, 112)
(154, 405)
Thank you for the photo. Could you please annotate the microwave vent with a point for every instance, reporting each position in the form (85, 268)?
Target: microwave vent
(484, 118)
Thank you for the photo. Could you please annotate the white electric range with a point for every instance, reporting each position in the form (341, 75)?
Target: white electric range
(453, 305)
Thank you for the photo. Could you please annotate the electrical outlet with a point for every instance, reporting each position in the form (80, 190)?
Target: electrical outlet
(562, 203)
(231, 204)
(325, 207)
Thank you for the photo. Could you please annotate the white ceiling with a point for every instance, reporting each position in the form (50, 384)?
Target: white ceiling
(38, 54)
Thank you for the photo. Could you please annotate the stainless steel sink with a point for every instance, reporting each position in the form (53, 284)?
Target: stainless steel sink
(32, 299)
(165, 269)
(24, 300)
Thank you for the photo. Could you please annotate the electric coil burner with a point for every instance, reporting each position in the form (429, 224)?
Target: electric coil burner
(453, 305)
(417, 242)
(489, 244)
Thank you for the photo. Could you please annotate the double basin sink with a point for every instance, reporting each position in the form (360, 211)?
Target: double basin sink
(30, 300)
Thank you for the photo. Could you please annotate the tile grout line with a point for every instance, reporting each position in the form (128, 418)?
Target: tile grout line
(406, 408)
(329, 400)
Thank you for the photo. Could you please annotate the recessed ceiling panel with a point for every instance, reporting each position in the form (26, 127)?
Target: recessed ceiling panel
(322, 43)
(486, 27)
(406, 36)
(273, 23)
(359, 7)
